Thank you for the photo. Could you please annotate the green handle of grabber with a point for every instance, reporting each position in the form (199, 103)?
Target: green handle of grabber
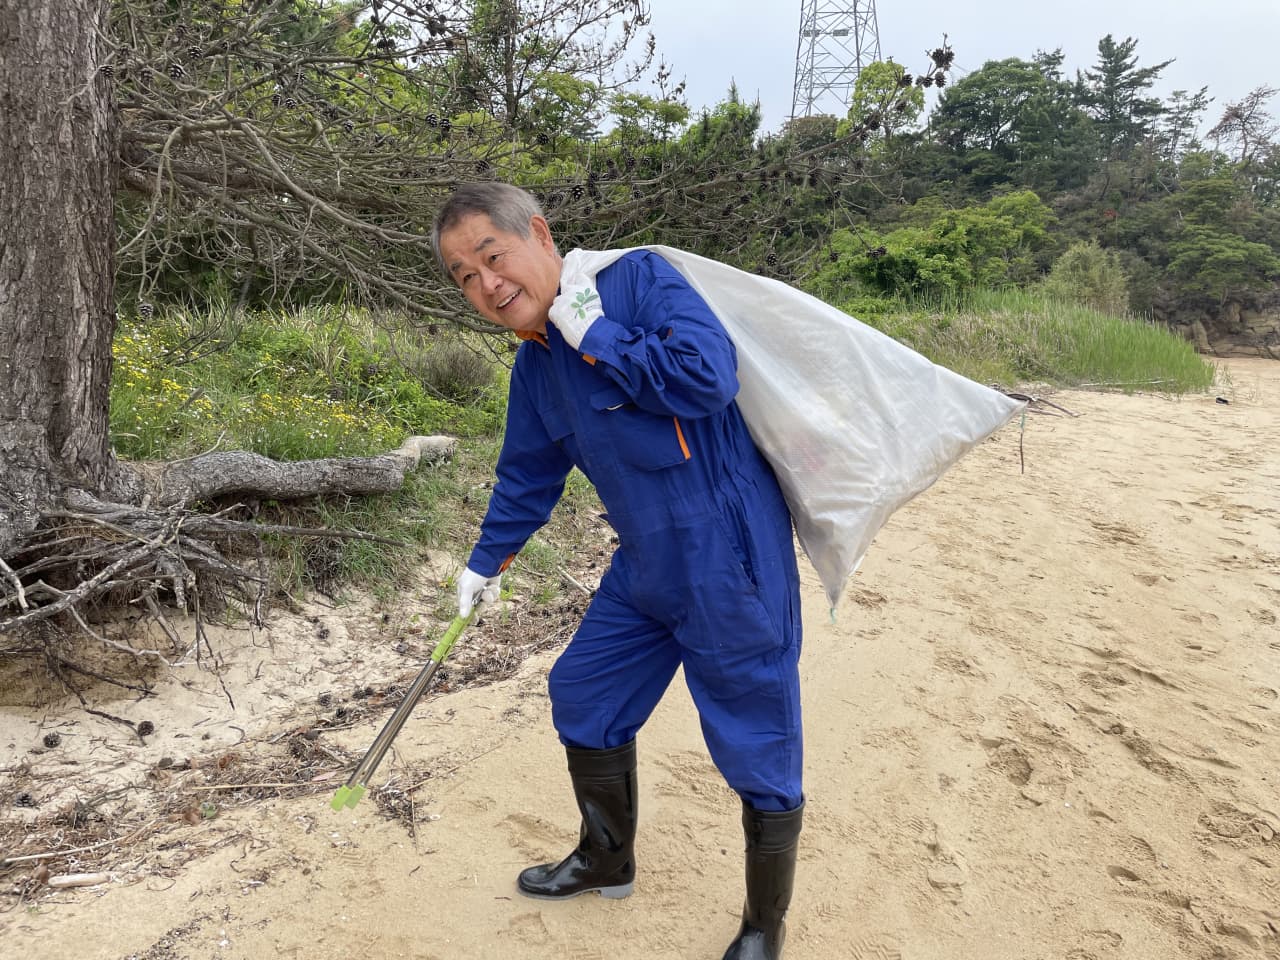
(349, 794)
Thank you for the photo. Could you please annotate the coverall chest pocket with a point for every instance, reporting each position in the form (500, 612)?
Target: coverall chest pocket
(635, 437)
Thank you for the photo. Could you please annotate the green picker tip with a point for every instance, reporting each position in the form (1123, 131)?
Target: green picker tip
(349, 794)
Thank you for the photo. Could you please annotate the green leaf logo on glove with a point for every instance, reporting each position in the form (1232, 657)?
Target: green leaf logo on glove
(582, 300)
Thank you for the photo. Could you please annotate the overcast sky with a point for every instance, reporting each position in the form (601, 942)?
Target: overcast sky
(1226, 45)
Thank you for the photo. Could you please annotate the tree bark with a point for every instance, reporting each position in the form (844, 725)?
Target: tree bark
(57, 163)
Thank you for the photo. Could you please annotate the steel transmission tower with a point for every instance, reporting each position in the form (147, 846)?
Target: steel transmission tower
(837, 39)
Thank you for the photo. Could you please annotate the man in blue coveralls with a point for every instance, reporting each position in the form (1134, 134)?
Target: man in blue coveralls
(631, 378)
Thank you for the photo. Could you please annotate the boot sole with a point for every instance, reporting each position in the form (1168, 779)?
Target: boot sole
(609, 893)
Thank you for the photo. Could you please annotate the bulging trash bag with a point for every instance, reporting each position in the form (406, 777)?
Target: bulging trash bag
(853, 423)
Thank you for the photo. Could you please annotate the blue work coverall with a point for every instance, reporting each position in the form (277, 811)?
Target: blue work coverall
(704, 574)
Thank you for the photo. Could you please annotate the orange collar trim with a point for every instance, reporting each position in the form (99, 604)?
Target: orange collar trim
(542, 339)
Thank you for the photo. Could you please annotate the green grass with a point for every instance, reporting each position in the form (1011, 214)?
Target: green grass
(290, 386)
(1015, 336)
(431, 511)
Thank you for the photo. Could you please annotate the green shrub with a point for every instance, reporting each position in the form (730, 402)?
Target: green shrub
(1088, 275)
(453, 370)
(991, 245)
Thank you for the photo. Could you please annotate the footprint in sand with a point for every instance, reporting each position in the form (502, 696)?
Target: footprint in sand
(866, 598)
(692, 776)
(1106, 941)
(1117, 664)
(954, 661)
(1266, 696)
(1140, 851)
(347, 852)
(1116, 532)
(875, 948)
(1261, 873)
(947, 872)
(1030, 616)
(533, 836)
(1124, 874)
(1010, 759)
(1264, 616)
(1225, 821)
(1147, 755)
(529, 928)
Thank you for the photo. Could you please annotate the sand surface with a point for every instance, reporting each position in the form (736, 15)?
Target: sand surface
(1045, 724)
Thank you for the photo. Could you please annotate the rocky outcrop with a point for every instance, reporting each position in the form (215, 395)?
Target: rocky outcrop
(1235, 329)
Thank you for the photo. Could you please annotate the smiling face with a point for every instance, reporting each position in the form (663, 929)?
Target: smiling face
(509, 279)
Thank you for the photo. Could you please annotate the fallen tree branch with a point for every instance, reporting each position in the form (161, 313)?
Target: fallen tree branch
(17, 584)
(236, 472)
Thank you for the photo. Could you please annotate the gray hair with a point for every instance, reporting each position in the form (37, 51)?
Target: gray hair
(509, 208)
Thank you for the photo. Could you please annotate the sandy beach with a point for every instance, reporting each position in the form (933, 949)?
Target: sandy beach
(1043, 725)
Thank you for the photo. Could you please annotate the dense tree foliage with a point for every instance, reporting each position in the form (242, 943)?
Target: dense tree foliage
(296, 149)
(1190, 217)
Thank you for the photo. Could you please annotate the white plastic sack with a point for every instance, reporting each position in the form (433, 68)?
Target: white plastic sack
(853, 423)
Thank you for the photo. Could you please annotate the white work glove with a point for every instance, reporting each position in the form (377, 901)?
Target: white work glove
(474, 588)
(576, 307)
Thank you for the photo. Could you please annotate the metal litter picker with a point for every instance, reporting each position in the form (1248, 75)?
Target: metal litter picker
(349, 794)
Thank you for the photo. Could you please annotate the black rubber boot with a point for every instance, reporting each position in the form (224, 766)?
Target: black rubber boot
(604, 782)
(771, 869)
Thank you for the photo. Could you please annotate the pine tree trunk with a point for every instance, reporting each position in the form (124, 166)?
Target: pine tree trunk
(57, 167)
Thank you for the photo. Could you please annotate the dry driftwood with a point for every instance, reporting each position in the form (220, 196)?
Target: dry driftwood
(239, 473)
